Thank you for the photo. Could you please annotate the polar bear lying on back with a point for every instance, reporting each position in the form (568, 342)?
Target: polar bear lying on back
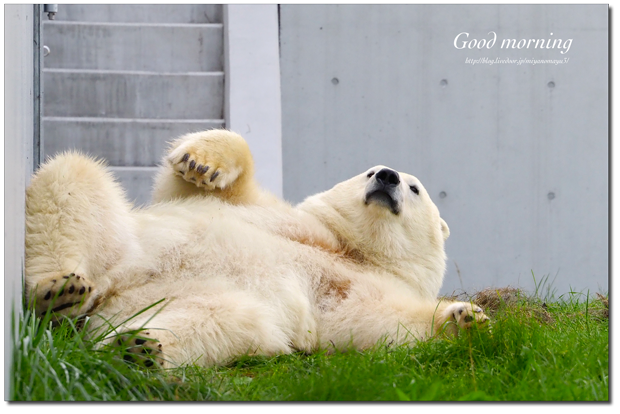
(240, 270)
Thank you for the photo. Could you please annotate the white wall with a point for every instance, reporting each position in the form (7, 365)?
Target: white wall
(523, 165)
(18, 138)
(252, 73)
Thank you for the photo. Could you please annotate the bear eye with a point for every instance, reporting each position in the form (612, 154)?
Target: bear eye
(370, 174)
(414, 189)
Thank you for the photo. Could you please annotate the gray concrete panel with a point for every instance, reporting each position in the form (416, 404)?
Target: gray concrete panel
(133, 94)
(132, 142)
(518, 152)
(152, 47)
(141, 13)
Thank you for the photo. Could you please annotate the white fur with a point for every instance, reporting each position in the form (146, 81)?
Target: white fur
(239, 275)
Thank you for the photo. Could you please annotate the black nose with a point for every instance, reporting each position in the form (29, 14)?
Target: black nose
(387, 177)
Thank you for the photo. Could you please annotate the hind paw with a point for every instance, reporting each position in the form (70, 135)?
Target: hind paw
(140, 348)
(68, 295)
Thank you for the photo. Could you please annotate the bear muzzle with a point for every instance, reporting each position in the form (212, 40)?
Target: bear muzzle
(384, 190)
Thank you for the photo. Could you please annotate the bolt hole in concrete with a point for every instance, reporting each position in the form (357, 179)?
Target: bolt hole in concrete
(335, 81)
(442, 194)
(551, 196)
(551, 85)
(444, 82)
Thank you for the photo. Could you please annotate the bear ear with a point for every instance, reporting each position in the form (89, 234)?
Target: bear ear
(444, 229)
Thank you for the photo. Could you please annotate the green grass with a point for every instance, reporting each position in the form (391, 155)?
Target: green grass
(558, 351)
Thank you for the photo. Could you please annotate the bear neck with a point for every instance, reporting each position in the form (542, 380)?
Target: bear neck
(423, 271)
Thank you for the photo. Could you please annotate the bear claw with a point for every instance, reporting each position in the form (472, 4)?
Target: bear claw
(208, 152)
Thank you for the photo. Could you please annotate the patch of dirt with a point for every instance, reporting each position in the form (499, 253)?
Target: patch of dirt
(494, 298)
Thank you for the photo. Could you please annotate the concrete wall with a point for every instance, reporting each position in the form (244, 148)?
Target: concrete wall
(515, 156)
(18, 154)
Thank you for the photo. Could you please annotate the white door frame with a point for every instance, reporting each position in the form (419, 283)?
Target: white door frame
(252, 105)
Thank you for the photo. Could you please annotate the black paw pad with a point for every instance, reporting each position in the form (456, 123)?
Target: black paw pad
(140, 350)
(61, 293)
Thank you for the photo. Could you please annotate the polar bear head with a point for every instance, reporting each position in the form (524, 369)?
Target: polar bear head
(386, 219)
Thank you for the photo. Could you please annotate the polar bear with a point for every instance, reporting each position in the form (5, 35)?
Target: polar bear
(232, 269)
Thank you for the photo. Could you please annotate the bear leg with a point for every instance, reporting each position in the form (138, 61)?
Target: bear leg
(78, 227)
(205, 330)
(213, 163)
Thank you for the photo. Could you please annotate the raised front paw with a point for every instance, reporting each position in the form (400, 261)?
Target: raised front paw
(211, 159)
(463, 315)
(64, 294)
(140, 348)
